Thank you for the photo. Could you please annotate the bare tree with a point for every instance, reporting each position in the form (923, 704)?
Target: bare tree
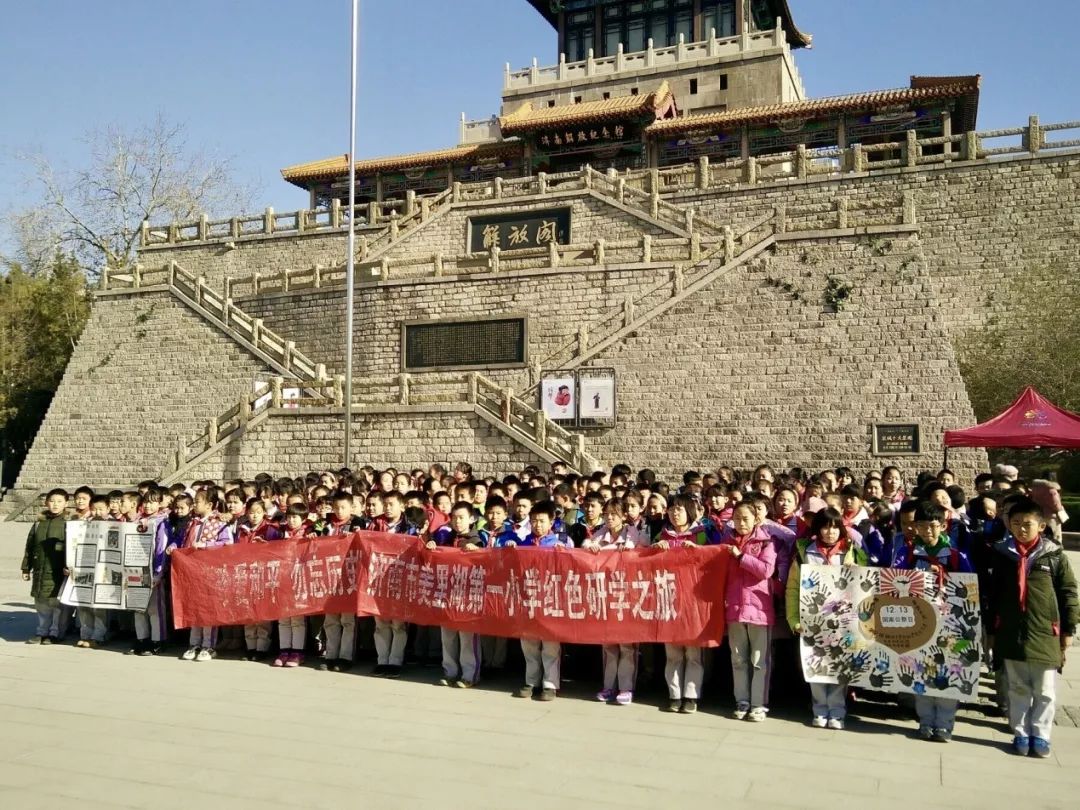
(95, 213)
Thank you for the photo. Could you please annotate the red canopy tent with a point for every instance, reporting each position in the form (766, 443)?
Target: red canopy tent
(1031, 421)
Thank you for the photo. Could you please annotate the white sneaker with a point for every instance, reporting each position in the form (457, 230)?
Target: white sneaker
(205, 655)
(820, 722)
(757, 715)
(191, 653)
(741, 711)
(836, 724)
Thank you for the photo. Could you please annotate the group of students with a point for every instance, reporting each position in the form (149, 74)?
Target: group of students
(771, 524)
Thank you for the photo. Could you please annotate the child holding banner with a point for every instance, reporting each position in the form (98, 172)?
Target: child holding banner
(542, 658)
(933, 552)
(461, 653)
(684, 670)
(292, 630)
(829, 544)
(340, 628)
(150, 626)
(750, 612)
(1033, 610)
(207, 529)
(620, 660)
(255, 527)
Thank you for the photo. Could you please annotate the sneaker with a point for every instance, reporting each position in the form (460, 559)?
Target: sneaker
(205, 655)
(136, 649)
(380, 671)
(926, 733)
(35, 640)
(324, 666)
(46, 639)
(605, 695)
(150, 649)
(942, 735)
(546, 695)
(757, 714)
(1021, 746)
(294, 660)
(393, 671)
(81, 643)
(624, 698)
(820, 722)
(836, 724)
(462, 684)
(1040, 748)
(741, 711)
(280, 660)
(673, 706)
(443, 681)
(525, 692)
(689, 706)
(190, 654)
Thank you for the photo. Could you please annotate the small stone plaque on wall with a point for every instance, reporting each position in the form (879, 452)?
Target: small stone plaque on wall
(896, 439)
(526, 229)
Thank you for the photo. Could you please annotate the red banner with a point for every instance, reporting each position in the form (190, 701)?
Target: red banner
(647, 595)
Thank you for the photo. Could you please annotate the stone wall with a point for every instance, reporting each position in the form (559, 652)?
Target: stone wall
(146, 370)
(292, 444)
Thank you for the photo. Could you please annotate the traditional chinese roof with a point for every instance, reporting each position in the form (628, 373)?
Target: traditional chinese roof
(549, 9)
(656, 104)
(303, 173)
(923, 88)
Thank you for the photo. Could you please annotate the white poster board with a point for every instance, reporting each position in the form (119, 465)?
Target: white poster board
(109, 565)
(597, 397)
(558, 397)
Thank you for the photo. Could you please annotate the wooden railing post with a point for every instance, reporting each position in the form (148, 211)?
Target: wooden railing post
(628, 310)
(275, 391)
(245, 409)
(256, 331)
(211, 432)
(268, 221)
(542, 183)
(181, 452)
(800, 161)
(911, 149)
(689, 219)
(287, 353)
(456, 193)
(437, 262)
(599, 252)
(541, 428)
(858, 158)
(582, 340)
(695, 247)
(171, 274)
(393, 225)
(410, 202)
(729, 244)
(507, 397)
(474, 386)
(234, 227)
(646, 249)
(704, 173)
(780, 215)
(136, 275)
(677, 280)
(204, 228)
(320, 372)
(335, 213)
(750, 171)
(339, 390)
(316, 276)
(970, 146)
(1033, 137)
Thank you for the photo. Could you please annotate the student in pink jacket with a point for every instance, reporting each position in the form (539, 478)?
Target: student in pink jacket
(749, 611)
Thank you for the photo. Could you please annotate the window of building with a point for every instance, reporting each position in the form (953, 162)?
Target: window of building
(551, 102)
(719, 16)
(634, 24)
(634, 91)
(723, 81)
(607, 96)
(580, 31)
(577, 99)
(485, 343)
(693, 87)
(762, 13)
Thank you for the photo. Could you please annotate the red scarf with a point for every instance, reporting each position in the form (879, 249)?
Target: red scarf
(828, 552)
(1022, 570)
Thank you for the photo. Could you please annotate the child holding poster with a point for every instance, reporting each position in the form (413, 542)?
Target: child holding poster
(750, 611)
(150, 626)
(93, 622)
(933, 552)
(43, 566)
(829, 544)
(620, 660)
(1031, 616)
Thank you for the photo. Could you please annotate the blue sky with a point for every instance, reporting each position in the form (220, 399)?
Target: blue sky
(267, 82)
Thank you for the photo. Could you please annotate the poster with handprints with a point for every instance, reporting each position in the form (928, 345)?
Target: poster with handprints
(891, 630)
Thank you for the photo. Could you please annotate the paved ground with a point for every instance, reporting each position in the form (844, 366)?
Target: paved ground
(96, 729)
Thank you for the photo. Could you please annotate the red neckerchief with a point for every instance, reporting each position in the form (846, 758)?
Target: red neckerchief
(739, 542)
(848, 519)
(829, 551)
(1022, 570)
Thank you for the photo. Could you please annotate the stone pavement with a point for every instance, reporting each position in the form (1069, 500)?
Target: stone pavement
(95, 729)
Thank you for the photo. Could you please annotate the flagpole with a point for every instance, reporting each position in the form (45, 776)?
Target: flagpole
(349, 262)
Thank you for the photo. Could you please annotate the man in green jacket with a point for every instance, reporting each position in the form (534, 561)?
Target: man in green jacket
(1031, 614)
(44, 562)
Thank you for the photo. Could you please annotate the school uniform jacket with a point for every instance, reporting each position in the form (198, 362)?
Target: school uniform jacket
(629, 537)
(749, 596)
(808, 552)
(45, 556)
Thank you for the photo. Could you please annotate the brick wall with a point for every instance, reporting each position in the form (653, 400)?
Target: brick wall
(146, 369)
(292, 444)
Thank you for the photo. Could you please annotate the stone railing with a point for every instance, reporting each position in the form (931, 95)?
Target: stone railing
(194, 292)
(676, 55)
(523, 422)
(393, 218)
